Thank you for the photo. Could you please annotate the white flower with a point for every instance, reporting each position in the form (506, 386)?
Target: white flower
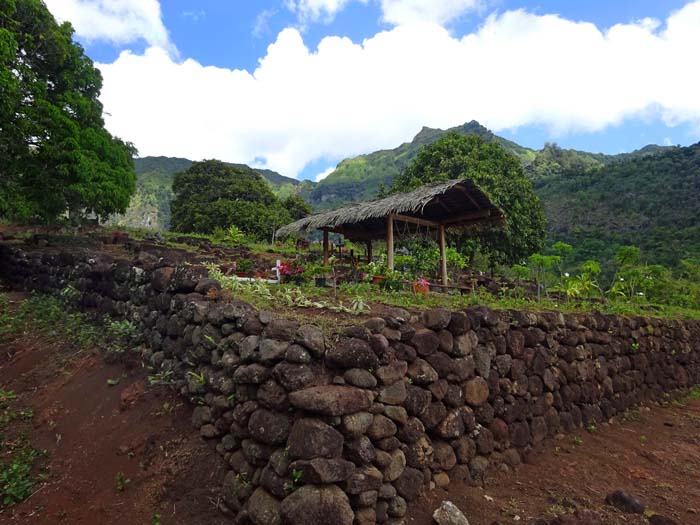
(566, 274)
(622, 279)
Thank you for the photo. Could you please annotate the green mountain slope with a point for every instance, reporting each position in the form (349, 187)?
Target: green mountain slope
(359, 178)
(650, 200)
(150, 205)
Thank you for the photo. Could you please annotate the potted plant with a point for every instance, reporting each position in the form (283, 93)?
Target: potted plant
(421, 287)
(321, 274)
(377, 270)
(393, 281)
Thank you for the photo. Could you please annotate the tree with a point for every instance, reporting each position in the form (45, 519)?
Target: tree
(213, 194)
(55, 154)
(297, 207)
(500, 175)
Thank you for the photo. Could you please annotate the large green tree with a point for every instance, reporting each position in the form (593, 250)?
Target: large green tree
(213, 194)
(500, 175)
(55, 154)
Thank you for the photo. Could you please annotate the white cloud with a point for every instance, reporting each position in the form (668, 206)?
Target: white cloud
(262, 26)
(395, 12)
(411, 11)
(345, 98)
(324, 174)
(116, 21)
(315, 10)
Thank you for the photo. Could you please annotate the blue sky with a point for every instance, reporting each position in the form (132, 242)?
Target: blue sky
(218, 37)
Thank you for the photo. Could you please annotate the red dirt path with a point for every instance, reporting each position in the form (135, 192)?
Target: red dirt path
(92, 432)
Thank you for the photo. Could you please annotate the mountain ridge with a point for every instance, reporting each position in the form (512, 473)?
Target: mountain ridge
(358, 178)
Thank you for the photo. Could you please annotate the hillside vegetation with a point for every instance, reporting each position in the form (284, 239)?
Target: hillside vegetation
(359, 178)
(652, 201)
(150, 205)
(596, 202)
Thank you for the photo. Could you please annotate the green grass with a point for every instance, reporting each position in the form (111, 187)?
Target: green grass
(52, 317)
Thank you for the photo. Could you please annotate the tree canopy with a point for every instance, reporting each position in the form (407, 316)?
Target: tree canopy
(499, 174)
(213, 194)
(55, 154)
(297, 207)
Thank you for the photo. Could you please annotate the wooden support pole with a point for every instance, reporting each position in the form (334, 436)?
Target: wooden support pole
(325, 248)
(443, 255)
(369, 252)
(390, 242)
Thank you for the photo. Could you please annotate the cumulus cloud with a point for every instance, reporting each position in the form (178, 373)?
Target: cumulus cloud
(115, 21)
(345, 98)
(410, 11)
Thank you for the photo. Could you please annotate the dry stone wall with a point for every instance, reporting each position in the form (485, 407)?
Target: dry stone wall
(350, 427)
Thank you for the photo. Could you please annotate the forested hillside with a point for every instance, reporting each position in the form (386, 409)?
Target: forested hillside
(150, 205)
(359, 178)
(650, 201)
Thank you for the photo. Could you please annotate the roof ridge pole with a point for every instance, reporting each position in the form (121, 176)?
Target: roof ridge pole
(390, 242)
(443, 256)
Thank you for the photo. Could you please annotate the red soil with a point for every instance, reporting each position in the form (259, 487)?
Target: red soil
(93, 431)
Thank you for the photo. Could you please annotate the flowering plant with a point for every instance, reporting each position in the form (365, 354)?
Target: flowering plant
(288, 268)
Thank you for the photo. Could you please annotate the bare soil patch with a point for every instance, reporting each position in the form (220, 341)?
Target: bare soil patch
(655, 455)
(92, 432)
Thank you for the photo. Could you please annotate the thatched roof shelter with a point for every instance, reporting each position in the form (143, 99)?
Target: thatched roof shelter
(433, 207)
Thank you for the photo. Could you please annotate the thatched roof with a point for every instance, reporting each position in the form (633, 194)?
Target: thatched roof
(455, 204)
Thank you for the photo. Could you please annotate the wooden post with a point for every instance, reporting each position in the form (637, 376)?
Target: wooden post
(390, 242)
(325, 248)
(443, 255)
(369, 252)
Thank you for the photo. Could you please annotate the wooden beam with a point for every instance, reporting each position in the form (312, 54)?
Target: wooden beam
(325, 248)
(466, 217)
(390, 241)
(416, 220)
(369, 252)
(469, 196)
(443, 256)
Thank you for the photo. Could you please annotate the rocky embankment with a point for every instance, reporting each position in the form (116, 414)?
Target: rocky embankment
(347, 427)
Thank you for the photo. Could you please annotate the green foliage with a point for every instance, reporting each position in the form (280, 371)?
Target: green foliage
(649, 200)
(16, 479)
(296, 207)
(56, 157)
(361, 178)
(150, 205)
(53, 317)
(499, 174)
(213, 194)
(231, 235)
(121, 482)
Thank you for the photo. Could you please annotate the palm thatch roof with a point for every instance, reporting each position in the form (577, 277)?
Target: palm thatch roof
(453, 204)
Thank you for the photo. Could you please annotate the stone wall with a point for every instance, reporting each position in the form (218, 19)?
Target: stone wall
(345, 427)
